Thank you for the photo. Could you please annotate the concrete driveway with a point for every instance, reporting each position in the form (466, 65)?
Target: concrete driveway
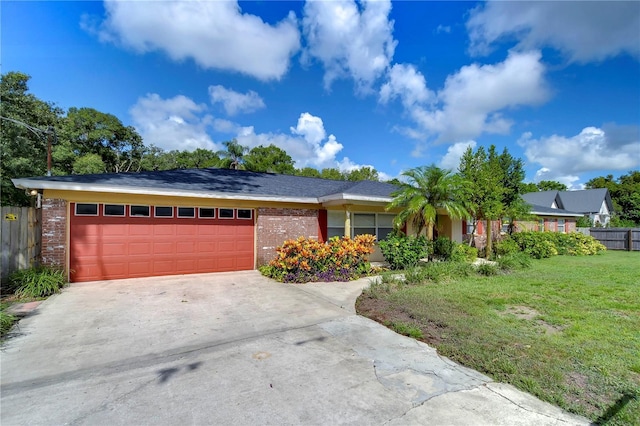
(236, 348)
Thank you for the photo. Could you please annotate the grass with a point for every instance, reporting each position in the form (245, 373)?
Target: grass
(6, 320)
(566, 330)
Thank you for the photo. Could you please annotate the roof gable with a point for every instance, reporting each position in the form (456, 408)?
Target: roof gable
(586, 200)
(544, 198)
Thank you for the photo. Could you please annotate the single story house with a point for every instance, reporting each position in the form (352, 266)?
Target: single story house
(126, 225)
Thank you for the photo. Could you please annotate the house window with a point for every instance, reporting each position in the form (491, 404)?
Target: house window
(114, 210)
(162, 211)
(471, 227)
(245, 213)
(225, 213)
(335, 224)
(83, 209)
(541, 225)
(186, 212)
(140, 211)
(385, 225)
(206, 213)
(561, 225)
(364, 224)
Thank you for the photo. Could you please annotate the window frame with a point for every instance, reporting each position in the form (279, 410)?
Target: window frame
(215, 216)
(182, 216)
(561, 227)
(237, 214)
(104, 210)
(155, 212)
(233, 213)
(97, 206)
(131, 206)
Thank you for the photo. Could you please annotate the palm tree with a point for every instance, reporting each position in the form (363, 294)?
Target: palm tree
(427, 190)
(232, 156)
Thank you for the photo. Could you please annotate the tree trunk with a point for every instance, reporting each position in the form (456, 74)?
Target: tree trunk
(430, 232)
(489, 245)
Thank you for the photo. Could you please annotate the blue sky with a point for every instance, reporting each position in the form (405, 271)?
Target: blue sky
(346, 84)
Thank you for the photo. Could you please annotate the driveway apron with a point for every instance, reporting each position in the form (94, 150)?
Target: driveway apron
(236, 348)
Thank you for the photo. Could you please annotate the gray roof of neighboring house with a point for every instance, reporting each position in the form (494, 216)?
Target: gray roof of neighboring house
(215, 181)
(550, 211)
(544, 198)
(586, 200)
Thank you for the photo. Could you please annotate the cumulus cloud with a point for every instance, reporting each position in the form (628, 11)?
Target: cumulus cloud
(215, 34)
(582, 31)
(234, 102)
(564, 158)
(175, 123)
(307, 144)
(473, 100)
(404, 81)
(350, 39)
(451, 159)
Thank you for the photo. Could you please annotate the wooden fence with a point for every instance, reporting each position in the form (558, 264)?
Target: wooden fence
(618, 238)
(20, 236)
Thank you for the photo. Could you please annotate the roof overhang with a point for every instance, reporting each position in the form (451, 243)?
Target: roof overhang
(557, 214)
(333, 199)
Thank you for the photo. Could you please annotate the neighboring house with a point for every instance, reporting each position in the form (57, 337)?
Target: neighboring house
(125, 225)
(595, 204)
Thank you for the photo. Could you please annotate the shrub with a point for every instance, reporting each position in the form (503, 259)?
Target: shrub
(304, 260)
(487, 269)
(583, 222)
(37, 282)
(506, 246)
(546, 244)
(443, 248)
(6, 322)
(514, 261)
(402, 251)
(464, 253)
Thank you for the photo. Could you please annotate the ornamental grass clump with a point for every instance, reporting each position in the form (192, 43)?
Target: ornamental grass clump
(305, 260)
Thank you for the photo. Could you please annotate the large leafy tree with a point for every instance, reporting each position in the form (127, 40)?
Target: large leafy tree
(550, 185)
(427, 190)
(363, 173)
(269, 159)
(482, 171)
(26, 124)
(88, 132)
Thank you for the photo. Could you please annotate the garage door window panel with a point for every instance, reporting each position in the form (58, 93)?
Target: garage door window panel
(245, 214)
(186, 212)
(84, 209)
(114, 210)
(206, 213)
(225, 213)
(163, 211)
(139, 211)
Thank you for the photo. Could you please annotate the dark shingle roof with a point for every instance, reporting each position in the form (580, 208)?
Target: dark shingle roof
(544, 198)
(226, 181)
(586, 200)
(543, 210)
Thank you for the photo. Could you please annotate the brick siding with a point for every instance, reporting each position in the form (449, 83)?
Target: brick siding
(275, 226)
(54, 232)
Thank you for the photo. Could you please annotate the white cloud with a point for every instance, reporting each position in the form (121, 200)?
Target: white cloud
(473, 99)
(564, 158)
(451, 159)
(215, 34)
(443, 29)
(234, 102)
(350, 39)
(307, 144)
(346, 166)
(583, 31)
(405, 82)
(175, 123)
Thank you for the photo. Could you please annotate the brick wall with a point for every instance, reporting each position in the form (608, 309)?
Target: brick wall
(275, 225)
(54, 232)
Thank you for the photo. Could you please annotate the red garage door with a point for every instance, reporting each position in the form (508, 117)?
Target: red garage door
(123, 241)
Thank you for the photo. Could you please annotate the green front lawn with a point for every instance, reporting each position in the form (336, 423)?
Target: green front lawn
(567, 329)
